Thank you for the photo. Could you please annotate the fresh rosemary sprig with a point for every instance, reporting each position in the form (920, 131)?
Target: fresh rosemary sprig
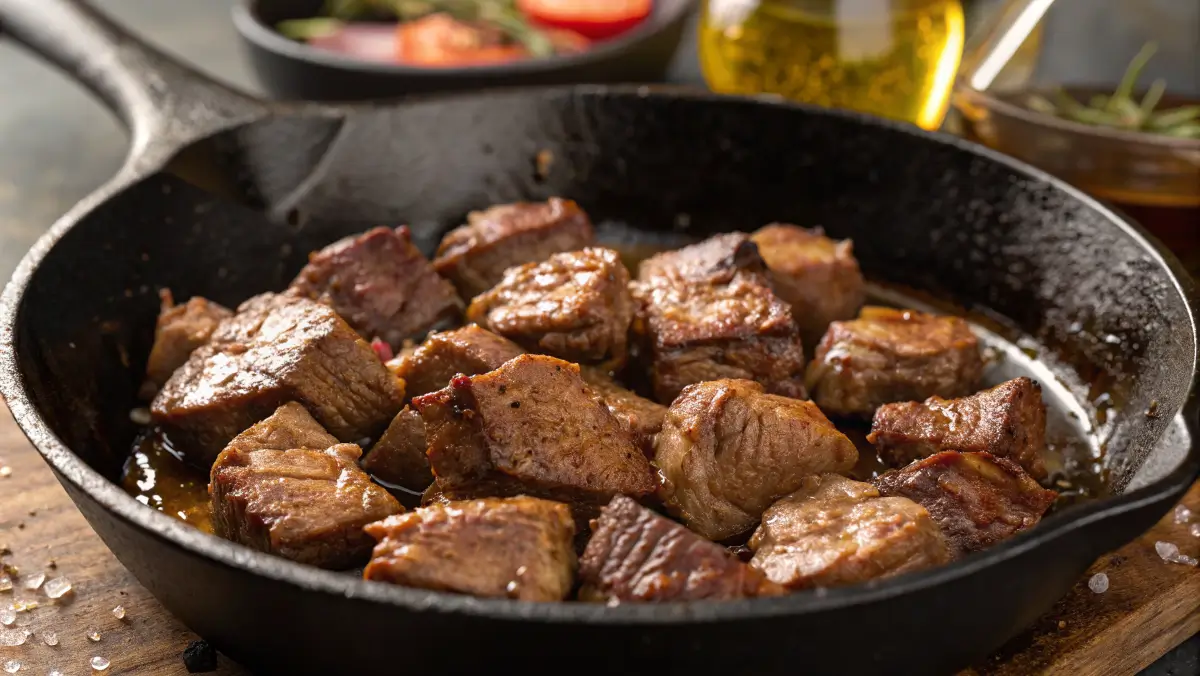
(1121, 110)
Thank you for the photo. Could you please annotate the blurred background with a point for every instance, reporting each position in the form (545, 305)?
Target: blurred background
(58, 143)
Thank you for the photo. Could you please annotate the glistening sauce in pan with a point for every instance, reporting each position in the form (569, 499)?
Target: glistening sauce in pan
(156, 476)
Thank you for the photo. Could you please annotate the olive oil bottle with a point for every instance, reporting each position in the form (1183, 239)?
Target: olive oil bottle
(893, 58)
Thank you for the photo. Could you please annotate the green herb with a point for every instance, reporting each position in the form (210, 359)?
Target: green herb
(309, 29)
(503, 14)
(1121, 110)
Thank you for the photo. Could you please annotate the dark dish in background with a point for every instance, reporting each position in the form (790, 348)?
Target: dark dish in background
(523, 43)
(824, 208)
(463, 33)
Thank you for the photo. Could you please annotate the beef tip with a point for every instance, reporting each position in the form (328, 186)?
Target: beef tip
(1008, 421)
(891, 355)
(707, 312)
(816, 275)
(637, 555)
(834, 531)
(728, 450)
(640, 417)
(534, 427)
(276, 349)
(517, 548)
(179, 331)
(380, 284)
(476, 255)
(978, 499)
(469, 351)
(575, 306)
(277, 489)
(718, 258)
(399, 456)
(290, 426)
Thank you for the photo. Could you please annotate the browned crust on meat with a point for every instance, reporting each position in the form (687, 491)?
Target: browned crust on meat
(728, 450)
(475, 255)
(1008, 420)
(574, 305)
(977, 499)
(637, 555)
(518, 548)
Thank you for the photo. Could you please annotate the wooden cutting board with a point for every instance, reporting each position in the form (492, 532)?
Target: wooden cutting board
(1150, 607)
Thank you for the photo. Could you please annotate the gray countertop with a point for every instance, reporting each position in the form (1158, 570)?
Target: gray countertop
(59, 144)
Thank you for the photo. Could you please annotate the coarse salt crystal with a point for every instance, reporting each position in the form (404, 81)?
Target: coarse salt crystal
(13, 637)
(99, 663)
(24, 606)
(1098, 583)
(94, 636)
(57, 588)
(5, 472)
(1182, 514)
(5, 583)
(140, 416)
(49, 638)
(1195, 530)
(119, 612)
(12, 666)
(1166, 550)
(34, 581)
(55, 672)
(7, 616)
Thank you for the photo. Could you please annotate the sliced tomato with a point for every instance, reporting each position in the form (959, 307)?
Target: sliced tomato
(594, 19)
(441, 41)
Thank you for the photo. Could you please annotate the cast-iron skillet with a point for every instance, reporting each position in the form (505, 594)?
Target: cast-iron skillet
(291, 70)
(930, 212)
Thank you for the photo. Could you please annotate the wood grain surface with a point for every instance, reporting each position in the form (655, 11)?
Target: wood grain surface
(39, 525)
(1150, 607)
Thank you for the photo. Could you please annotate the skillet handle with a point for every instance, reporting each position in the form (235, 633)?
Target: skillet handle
(164, 104)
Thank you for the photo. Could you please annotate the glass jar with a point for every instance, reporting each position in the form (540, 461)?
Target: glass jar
(893, 58)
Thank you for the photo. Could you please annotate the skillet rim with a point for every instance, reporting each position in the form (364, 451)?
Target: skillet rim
(69, 467)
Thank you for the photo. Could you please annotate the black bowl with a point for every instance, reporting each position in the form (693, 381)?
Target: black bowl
(292, 70)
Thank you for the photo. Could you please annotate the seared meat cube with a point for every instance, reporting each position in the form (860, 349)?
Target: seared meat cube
(637, 555)
(179, 331)
(728, 450)
(1008, 421)
(641, 417)
(290, 426)
(532, 426)
(575, 306)
(977, 498)
(891, 355)
(707, 312)
(276, 349)
(834, 531)
(469, 351)
(380, 284)
(476, 255)
(301, 503)
(517, 548)
(399, 456)
(817, 276)
(718, 258)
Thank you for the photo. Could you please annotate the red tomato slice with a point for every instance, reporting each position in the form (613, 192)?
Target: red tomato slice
(594, 19)
(439, 41)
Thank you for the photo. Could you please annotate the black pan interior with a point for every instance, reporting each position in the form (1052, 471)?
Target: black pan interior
(1096, 308)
